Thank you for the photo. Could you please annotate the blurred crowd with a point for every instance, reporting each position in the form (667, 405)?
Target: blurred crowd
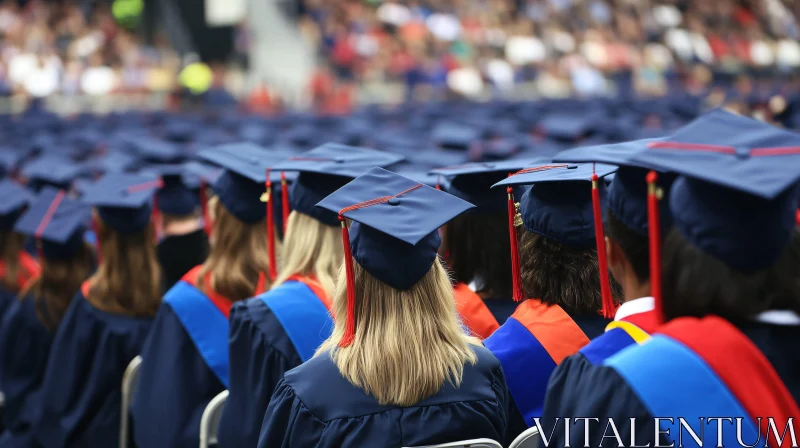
(59, 48)
(564, 47)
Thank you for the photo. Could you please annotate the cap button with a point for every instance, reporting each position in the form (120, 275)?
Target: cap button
(339, 160)
(742, 153)
(394, 201)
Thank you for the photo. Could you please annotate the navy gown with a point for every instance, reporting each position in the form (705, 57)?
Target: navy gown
(604, 393)
(82, 386)
(24, 348)
(175, 386)
(261, 352)
(314, 405)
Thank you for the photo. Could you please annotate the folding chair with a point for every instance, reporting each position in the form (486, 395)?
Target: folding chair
(473, 443)
(130, 381)
(528, 439)
(209, 422)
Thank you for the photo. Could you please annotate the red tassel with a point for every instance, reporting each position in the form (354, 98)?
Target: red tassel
(273, 270)
(609, 308)
(261, 286)
(439, 182)
(284, 202)
(654, 233)
(96, 229)
(204, 207)
(350, 323)
(797, 217)
(516, 278)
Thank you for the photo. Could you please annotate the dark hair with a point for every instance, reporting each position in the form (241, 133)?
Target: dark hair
(635, 247)
(697, 284)
(558, 274)
(478, 247)
(56, 285)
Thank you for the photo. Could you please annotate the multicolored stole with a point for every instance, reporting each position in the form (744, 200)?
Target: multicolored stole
(204, 316)
(714, 371)
(532, 342)
(299, 305)
(619, 335)
(474, 313)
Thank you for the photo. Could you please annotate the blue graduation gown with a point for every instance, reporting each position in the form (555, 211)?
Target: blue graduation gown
(604, 393)
(528, 361)
(261, 352)
(24, 348)
(6, 299)
(81, 390)
(501, 308)
(315, 406)
(175, 386)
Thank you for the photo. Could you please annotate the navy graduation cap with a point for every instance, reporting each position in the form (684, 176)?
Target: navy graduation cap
(14, 199)
(157, 150)
(566, 127)
(10, 159)
(454, 136)
(175, 196)
(327, 168)
(473, 181)
(737, 194)
(394, 235)
(123, 200)
(560, 205)
(53, 170)
(57, 222)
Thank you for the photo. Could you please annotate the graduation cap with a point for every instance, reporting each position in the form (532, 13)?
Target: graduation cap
(327, 168)
(57, 222)
(473, 181)
(566, 127)
(14, 199)
(175, 195)
(394, 235)
(245, 186)
(564, 203)
(114, 162)
(157, 150)
(737, 194)
(53, 170)
(636, 194)
(123, 200)
(10, 159)
(450, 135)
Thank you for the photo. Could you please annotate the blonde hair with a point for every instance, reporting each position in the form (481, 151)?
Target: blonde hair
(311, 248)
(128, 280)
(238, 255)
(11, 243)
(407, 343)
(54, 288)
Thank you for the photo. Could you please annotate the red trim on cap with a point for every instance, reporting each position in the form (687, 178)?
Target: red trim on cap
(539, 168)
(312, 159)
(779, 151)
(692, 147)
(153, 184)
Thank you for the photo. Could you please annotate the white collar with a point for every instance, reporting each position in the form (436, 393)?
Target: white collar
(778, 317)
(635, 306)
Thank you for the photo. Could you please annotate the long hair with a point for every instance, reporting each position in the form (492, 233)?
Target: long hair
(478, 246)
(697, 284)
(311, 248)
(11, 243)
(238, 255)
(561, 275)
(128, 280)
(407, 343)
(58, 280)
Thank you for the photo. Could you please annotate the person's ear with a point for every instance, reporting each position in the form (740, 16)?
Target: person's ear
(616, 263)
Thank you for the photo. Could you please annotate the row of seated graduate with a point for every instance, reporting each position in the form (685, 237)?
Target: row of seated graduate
(359, 307)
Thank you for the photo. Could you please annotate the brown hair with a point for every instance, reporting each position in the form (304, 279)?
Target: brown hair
(558, 274)
(11, 243)
(479, 248)
(128, 280)
(238, 255)
(57, 283)
(697, 284)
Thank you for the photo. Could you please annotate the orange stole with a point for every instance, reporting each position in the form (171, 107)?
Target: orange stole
(474, 313)
(552, 327)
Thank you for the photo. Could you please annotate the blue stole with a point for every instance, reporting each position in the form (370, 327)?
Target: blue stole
(686, 387)
(302, 315)
(205, 324)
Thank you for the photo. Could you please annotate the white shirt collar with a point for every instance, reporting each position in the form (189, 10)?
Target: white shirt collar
(635, 306)
(779, 317)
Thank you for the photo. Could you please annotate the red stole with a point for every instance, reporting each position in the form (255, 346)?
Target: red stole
(474, 312)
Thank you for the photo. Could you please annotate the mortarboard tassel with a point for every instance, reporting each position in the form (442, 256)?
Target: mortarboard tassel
(797, 217)
(654, 233)
(350, 323)
(266, 198)
(48, 216)
(516, 278)
(204, 207)
(609, 308)
(261, 286)
(284, 202)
